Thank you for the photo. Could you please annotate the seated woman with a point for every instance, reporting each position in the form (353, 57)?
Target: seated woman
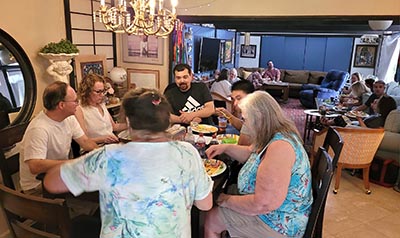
(275, 182)
(92, 113)
(358, 89)
(355, 77)
(221, 85)
(382, 107)
(147, 186)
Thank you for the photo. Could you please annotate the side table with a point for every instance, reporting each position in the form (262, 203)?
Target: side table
(284, 87)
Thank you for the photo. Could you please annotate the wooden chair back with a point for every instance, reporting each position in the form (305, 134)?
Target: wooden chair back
(48, 212)
(219, 97)
(330, 139)
(9, 136)
(322, 173)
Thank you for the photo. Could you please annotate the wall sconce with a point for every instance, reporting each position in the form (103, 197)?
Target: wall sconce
(370, 38)
(379, 25)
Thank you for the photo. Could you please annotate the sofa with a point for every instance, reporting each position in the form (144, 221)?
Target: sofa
(387, 158)
(393, 90)
(295, 78)
(330, 87)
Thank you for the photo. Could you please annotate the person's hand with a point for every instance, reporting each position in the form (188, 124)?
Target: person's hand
(186, 117)
(223, 199)
(197, 119)
(108, 139)
(222, 112)
(215, 150)
(327, 122)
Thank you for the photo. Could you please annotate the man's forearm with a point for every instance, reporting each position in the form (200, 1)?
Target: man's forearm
(38, 166)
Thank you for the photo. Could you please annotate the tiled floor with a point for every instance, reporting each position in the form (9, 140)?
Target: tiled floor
(353, 214)
(349, 214)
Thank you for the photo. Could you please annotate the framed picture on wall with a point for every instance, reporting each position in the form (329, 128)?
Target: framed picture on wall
(142, 49)
(365, 56)
(248, 51)
(228, 51)
(143, 78)
(86, 64)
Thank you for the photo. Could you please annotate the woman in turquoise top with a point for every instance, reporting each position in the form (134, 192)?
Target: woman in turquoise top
(274, 184)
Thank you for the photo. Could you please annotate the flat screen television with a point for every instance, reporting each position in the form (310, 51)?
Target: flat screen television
(209, 54)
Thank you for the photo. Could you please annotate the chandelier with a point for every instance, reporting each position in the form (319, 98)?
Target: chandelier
(140, 17)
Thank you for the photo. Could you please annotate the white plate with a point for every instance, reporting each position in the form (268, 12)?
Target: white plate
(355, 114)
(215, 171)
(205, 129)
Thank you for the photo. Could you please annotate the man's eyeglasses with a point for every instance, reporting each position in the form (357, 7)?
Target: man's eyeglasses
(100, 91)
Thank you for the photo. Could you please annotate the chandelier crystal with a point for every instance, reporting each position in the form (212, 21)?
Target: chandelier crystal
(140, 17)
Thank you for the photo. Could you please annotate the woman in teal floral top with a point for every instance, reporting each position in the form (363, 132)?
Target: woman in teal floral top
(275, 182)
(148, 186)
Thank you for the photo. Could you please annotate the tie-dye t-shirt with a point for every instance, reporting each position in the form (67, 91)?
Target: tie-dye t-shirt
(146, 189)
(291, 217)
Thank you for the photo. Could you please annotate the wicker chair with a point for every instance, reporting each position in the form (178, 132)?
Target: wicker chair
(360, 146)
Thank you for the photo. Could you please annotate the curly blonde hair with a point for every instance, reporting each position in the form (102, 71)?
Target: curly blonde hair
(86, 87)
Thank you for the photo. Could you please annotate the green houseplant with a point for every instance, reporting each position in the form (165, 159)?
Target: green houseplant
(60, 57)
(62, 47)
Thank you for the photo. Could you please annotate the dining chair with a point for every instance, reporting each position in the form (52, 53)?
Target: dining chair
(32, 216)
(322, 173)
(330, 139)
(220, 100)
(359, 148)
(9, 165)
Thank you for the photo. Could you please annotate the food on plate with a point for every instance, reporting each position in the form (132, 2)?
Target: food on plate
(228, 139)
(359, 113)
(205, 129)
(214, 167)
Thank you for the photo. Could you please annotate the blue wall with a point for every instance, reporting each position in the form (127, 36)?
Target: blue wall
(311, 53)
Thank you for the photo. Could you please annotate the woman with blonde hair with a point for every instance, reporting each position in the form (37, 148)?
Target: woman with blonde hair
(355, 77)
(92, 113)
(274, 184)
(358, 89)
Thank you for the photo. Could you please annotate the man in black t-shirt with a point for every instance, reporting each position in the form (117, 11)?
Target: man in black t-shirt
(189, 101)
(378, 92)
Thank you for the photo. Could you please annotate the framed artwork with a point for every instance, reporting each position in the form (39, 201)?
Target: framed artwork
(86, 64)
(228, 51)
(143, 78)
(248, 51)
(142, 49)
(365, 56)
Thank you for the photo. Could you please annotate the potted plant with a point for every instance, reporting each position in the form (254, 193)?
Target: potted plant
(60, 56)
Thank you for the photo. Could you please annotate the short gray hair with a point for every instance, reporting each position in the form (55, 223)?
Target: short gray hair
(265, 119)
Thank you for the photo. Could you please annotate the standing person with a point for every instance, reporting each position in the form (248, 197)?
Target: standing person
(272, 73)
(378, 91)
(47, 140)
(233, 76)
(92, 114)
(189, 101)
(274, 183)
(221, 85)
(147, 186)
(239, 90)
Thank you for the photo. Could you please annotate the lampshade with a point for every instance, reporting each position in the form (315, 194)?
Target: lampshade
(379, 25)
(118, 75)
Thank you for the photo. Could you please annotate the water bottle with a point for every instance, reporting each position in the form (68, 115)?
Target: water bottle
(189, 137)
(201, 145)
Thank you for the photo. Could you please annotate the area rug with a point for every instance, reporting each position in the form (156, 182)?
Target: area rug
(295, 111)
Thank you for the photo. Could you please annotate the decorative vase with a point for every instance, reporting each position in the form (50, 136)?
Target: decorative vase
(60, 65)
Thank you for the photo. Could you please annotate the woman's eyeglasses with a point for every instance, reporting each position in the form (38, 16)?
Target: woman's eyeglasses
(100, 91)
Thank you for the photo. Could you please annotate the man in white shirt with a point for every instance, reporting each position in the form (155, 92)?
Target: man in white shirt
(47, 140)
